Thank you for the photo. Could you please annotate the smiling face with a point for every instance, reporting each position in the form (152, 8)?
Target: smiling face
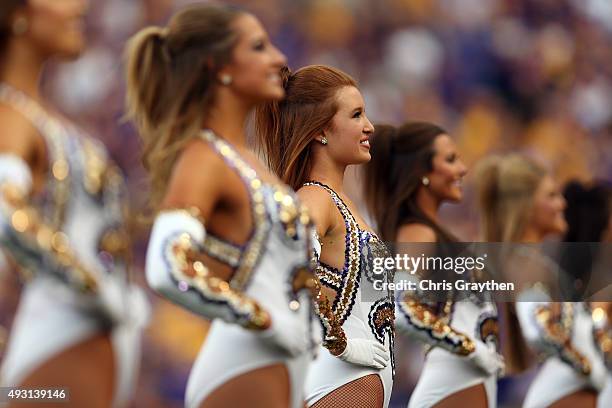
(445, 178)
(547, 209)
(256, 63)
(55, 27)
(349, 131)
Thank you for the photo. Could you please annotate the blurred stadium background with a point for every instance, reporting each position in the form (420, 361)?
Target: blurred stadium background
(500, 75)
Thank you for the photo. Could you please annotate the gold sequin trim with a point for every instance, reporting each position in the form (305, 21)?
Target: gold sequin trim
(254, 247)
(335, 338)
(603, 334)
(54, 134)
(436, 328)
(37, 236)
(222, 250)
(349, 287)
(189, 271)
(556, 332)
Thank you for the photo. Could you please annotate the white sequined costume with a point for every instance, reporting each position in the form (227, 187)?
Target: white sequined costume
(570, 366)
(357, 312)
(459, 331)
(271, 273)
(75, 225)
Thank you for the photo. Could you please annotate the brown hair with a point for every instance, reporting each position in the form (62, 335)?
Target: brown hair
(286, 128)
(400, 158)
(171, 81)
(7, 10)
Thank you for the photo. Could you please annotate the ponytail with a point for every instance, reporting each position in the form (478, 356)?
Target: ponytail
(147, 79)
(487, 176)
(506, 186)
(171, 82)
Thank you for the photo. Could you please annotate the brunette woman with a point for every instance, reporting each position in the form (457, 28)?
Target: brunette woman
(415, 168)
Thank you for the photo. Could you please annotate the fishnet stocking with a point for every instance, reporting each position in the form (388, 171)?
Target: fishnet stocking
(364, 392)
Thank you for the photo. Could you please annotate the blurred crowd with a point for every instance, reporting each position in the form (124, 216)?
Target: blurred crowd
(499, 75)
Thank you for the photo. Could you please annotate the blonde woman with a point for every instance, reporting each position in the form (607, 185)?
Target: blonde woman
(521, 203)
(230, 242)
(62, 205)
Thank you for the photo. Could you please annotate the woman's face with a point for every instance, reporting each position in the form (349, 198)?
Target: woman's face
(256, 63)
(350, 130)
(547, 210)
(446, 176)
(56, 27)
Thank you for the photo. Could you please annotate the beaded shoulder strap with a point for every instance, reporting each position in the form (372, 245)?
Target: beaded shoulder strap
(342, 207)
(254, 247)
(51, 130)
(351, 272)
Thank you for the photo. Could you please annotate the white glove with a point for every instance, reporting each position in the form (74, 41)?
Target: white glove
(290, 333)
(487, 359)
(369, 353)
(598, 375)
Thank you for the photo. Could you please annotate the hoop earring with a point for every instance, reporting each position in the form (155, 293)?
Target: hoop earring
(20, 26)
(323, 140)
(425, 181)
(226, 79)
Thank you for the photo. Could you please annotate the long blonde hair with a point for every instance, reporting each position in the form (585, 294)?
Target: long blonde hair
(506, 188)
(171, 77)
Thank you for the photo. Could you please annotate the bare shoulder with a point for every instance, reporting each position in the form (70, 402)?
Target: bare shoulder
(319, 204)
(197, 178)
(17, 135)
(315, 196)
(416, 233)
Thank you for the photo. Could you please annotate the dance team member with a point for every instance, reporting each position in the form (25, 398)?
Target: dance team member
(415, 168)
(520, 203)
(62, 204)
(309, 138)
(229, 241)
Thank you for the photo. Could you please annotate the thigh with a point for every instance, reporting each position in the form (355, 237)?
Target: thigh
(581, 398)
(364, 392)
(86, 370)
(474, 396)
(266, 387)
